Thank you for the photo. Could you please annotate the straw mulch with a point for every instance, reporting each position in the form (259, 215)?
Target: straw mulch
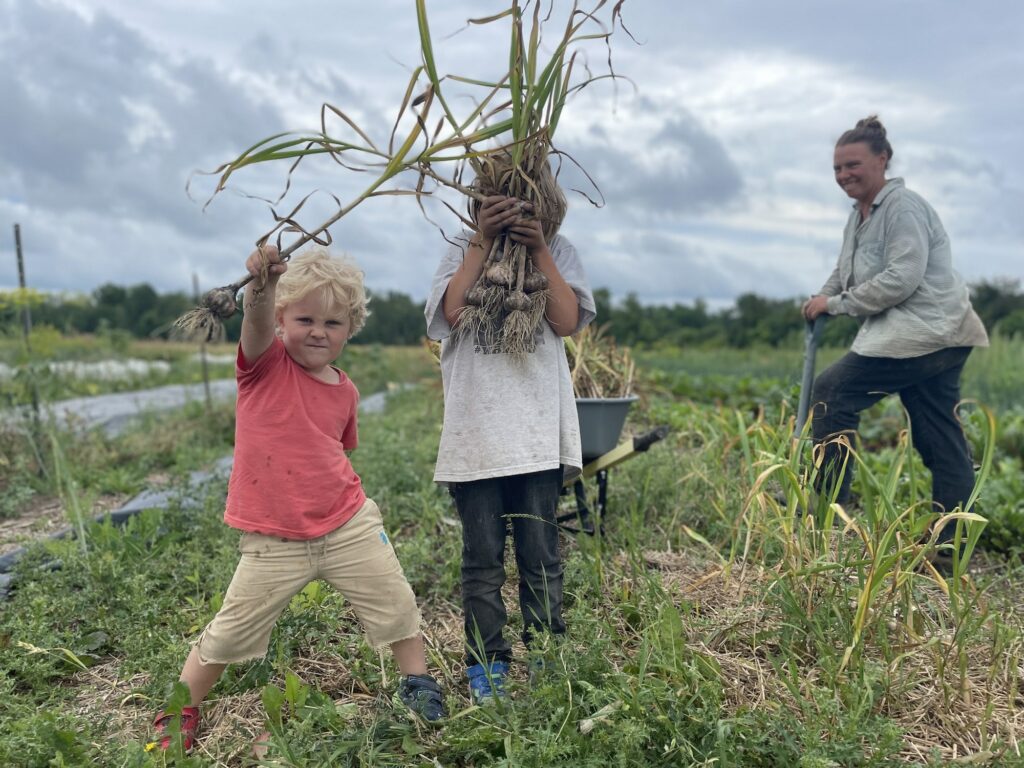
(961, 727)
(599, 368)
(45, 516)
(232, 724)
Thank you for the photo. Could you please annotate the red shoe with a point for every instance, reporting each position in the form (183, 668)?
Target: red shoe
(189, 728)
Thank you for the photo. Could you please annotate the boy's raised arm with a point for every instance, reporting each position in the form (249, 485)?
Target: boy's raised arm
(258, 318)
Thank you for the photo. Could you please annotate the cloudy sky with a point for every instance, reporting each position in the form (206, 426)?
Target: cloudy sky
(715, 168)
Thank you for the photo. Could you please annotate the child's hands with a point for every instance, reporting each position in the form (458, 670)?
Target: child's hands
(496, 213)
(528, 231)
(265, 264)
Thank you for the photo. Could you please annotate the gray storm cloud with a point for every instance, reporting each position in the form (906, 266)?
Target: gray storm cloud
(714, 171)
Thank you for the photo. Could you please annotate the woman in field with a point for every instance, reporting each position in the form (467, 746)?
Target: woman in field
(895, 273)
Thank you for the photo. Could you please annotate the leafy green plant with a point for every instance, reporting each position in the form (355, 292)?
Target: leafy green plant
(15, 497)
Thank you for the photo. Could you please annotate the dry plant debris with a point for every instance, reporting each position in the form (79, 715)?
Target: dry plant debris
(737, 620)
(599, 367)
(734, 630)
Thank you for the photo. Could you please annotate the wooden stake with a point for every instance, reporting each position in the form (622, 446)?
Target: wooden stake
(26, 317)
(202, 350)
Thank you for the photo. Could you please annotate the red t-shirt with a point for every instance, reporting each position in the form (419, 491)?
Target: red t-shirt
(291, 477)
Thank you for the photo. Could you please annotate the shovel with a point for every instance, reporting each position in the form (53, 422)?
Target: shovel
(812, 337)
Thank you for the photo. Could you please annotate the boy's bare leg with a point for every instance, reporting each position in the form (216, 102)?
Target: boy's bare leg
(199, 677)
(409, 656)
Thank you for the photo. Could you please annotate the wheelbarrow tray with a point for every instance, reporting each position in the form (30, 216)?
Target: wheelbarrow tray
(601, 421)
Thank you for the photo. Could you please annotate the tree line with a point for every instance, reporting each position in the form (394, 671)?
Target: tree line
(140, 311)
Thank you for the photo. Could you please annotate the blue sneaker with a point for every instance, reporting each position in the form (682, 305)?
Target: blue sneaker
(487, 683)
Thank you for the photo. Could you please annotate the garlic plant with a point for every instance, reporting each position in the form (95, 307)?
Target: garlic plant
(504, 139)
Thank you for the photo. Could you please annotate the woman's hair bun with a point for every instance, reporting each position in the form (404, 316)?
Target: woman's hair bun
(870, 131)
(871, 123)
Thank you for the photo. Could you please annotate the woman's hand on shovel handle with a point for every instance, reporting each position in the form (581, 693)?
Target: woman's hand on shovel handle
(814, 306)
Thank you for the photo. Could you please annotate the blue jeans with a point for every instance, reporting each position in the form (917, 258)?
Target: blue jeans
(929, 387)
(526, 504)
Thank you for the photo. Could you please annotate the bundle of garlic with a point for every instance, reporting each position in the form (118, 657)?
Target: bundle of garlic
(507, 303)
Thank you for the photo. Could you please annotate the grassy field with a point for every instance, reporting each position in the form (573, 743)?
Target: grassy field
(41, 462)
(722, 620)
(993, 376)
(61, 367)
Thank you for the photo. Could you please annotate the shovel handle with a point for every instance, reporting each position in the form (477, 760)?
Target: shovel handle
(812, 337)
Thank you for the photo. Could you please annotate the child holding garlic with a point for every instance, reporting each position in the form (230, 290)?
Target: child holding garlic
(510, 435)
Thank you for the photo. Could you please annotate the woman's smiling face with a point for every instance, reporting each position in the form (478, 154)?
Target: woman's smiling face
(859, 172)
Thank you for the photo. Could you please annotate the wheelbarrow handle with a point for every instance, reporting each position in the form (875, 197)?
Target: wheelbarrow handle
(627, 449)
(812, 337)
(642, 442)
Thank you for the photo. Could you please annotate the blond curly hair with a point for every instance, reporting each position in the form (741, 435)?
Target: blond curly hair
(339, 279)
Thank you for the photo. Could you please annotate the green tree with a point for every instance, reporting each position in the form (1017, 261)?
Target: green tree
(110, 302)
(757, 320)
(603, 305)
(995, 299)
(394, 319)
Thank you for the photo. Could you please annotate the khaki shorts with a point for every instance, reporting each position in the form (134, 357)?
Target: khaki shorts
(357, 559)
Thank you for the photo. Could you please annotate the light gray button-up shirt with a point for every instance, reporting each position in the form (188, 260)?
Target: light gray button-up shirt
(895, 270)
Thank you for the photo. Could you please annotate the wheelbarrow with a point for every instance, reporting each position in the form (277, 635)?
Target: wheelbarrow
(601, 421)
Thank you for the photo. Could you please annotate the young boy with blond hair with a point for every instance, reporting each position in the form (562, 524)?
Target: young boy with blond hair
(293, 492)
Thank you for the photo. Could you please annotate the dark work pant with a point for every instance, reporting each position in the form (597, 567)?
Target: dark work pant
(489, 508)
(929, 387)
